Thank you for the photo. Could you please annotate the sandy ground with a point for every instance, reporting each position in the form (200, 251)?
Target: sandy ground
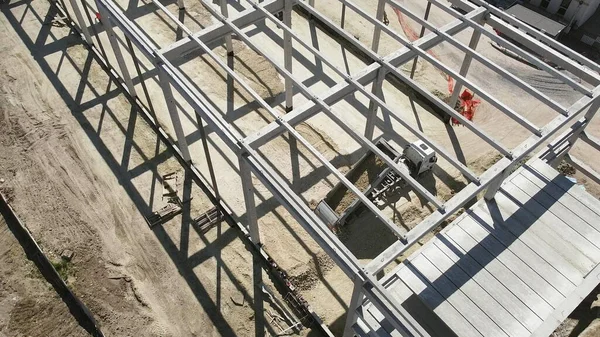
(79, 158)
(82, 171)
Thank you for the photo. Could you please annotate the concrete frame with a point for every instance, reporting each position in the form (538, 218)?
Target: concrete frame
(367, 286)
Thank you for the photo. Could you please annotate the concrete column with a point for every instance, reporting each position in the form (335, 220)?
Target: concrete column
(287, 53)
(248, 189)
(181, 141)
(377, 31)
(373, 108)
(464, 69)
(81, 22)
(181, 5)
(355, 302)
(105, 19)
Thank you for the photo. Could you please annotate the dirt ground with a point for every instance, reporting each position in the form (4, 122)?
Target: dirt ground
(25, 296)
(83, 168)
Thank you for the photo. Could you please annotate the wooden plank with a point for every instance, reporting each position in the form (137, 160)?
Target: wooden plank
(590, 283)
(372, 318)
(584, 168)
(456, 298)
(502, 273)
(419, 310)
(543, 169)
(525, 244)
(495, 288)
(584, 212)
(475, 292)
(430, 296)
(552, 204)
(555, 240)
(487, 248)
(567, 233)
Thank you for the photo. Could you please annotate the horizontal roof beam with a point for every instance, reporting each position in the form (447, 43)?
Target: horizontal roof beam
(364, 77)
(465, 170)
(540, 36)
(482, 59)
(440, 150)
(470, 191)
(533, 44)
(412, 83)
(368, 203)
(440, 65)
(219, 30)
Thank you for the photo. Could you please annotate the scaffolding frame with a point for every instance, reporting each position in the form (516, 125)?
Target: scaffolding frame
(476, 15)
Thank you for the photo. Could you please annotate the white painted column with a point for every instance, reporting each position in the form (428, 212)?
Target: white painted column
(225, 13)
(207, 156)
(166, 88)
(416, 59)
(287, 53)
(377, 31)
(589, 115)
(373, 108)
(105, 19)
(464, 69)
(81, 22)
(248, 189)
(494, 186)
(355, 302)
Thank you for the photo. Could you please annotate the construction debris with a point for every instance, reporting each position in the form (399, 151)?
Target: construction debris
(67, 255)
(166, 213)
(208, 220)
(294, 324)
(170, 185)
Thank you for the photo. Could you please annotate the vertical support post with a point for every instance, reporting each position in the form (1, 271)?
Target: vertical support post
(355, 302)
(287, 50)
(372, 113)
(593, 109)
(81, 22)
(211, 170)
(247, 186)
(225, 13)
(136, 63)
(166, 88)
(105, 19)
(495, 185)
(377, 31)
(465, 67)
(181, 5)
(425, 17)
(311, 3)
